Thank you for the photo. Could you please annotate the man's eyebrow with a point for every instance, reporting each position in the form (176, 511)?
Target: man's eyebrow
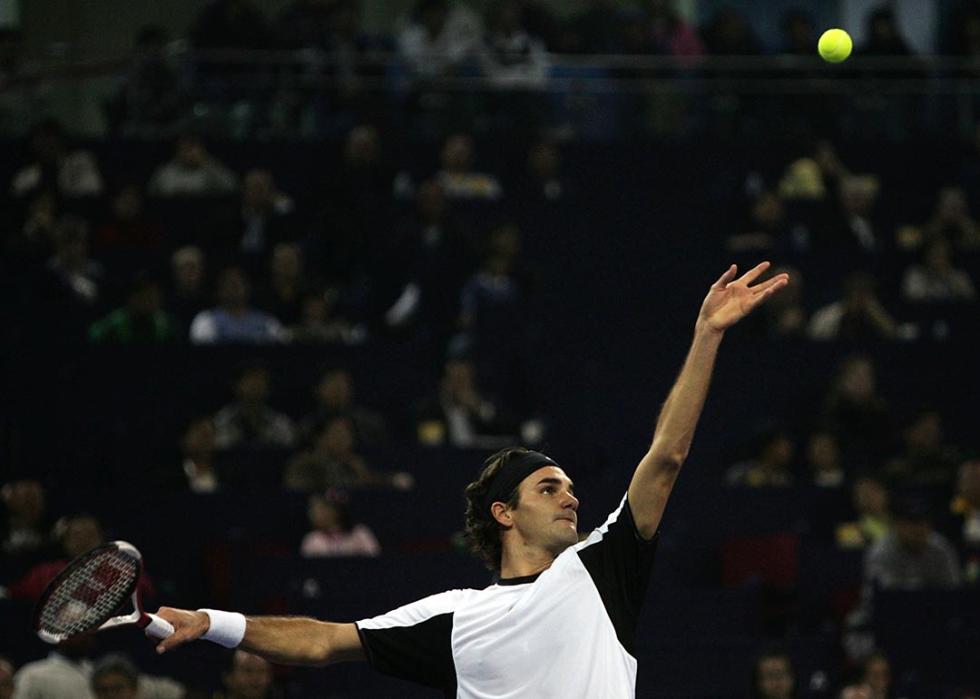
(556, 481)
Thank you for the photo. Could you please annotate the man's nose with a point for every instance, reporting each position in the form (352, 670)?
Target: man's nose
(570, 501)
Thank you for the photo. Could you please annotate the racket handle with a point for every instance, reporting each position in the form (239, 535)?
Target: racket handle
(158, 628)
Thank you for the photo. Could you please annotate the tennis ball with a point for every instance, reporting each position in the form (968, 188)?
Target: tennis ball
(835, 45)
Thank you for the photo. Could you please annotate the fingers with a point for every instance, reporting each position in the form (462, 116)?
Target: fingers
(754, 273)
(777, 282)
(188, 626)
(725, 278)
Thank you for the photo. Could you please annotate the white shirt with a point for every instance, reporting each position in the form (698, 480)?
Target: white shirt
(565, 633)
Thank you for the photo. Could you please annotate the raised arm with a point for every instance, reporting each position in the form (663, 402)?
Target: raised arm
(728, 301)
(285, 640)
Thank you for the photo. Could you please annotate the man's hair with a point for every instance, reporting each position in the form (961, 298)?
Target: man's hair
(482, 530)
(116, 664)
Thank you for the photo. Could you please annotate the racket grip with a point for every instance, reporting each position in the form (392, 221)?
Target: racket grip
(158, 628)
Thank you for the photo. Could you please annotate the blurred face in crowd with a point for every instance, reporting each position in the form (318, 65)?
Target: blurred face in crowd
(775, 677)
(323, 514)
(6, 680)
(856, 691)
(190, 152)
(81, 534)
(363, 147)
(968, 486)
(779, 451)
(870, 498)
(145, 300)
(913, 534)
(257, 189)
(858, 194)
(457, 153)
(253, 387)
(199, 438)
(128, 204)
(188, 269)
(431, 201)
(543, 161)
(287, 261)
(926, 432)
(878, 676)
(114, 685)
(233, 289)
(768, 210)
(938, 257)
(24, 501)
(822, 452)
(459, 377)
(336, 390)
(249, 678)
(337, 438)
(952, 205)
(857, 380)
(316, 309)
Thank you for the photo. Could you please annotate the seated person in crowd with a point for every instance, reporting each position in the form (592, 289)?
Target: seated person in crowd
(926, 459)
(334, 532)
(22, 530)
(193, 172)
(247, 677)
(935, 279)
(233, 320)
(188, 294)
(334, 394)
(249, 422)
(55, 168)
(438, 39)
(859, 316)
(332, 462)
(198, 446)
(319, 322)
(824, 461)
(963, 526)
(772, 466)
(856, 413)
(877, 675)
(871, 503)
(773, 676)
(260, 220)
(282, 295)
(459, 178)
(115, 677)
(460, 414)
(141, 321)
(63, 674)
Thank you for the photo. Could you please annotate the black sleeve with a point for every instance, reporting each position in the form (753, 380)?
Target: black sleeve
(619, 561)
(420, 652)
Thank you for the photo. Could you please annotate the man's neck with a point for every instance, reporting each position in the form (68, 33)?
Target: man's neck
(524, 562)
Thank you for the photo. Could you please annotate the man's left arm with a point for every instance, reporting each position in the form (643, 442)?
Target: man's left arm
(728, 301)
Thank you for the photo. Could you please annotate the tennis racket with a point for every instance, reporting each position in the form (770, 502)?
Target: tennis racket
(90, 591)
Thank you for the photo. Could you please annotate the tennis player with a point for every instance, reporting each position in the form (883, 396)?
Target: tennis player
(561, 619)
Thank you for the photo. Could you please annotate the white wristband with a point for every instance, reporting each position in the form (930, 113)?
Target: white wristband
(227, 628)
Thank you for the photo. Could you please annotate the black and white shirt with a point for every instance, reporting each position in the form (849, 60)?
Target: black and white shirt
(566, 632)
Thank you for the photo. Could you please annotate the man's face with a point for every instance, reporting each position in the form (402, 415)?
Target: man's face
(113, 685)
(546, 516)
(82, 534)
(775, 678)
(253, 386)
(250, 678)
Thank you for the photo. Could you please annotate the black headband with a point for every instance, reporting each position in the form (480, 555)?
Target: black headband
(512, 473)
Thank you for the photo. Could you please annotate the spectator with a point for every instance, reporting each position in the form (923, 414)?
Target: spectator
(913, 556)
(187, 295)
(140, 321)
(773, 676)
(334, 532)
(249, 422)
(7, 671)
(334, 394)
(198, 446)
(262, 220)
(963, 527)
(333, 463)
(878, 675)
(76, 276)
(318, 323)
(193, 172)
(63, 674)
(283, 295)
(247, 677)
(854, 233)
(870, 500)
(728, 33)
(952, 221)
(926, 460)
(812, 178)
(115, 677)
(151, 96)
(670, 34)
(771, 467)
(823, 460)
(438, 40)
(234, 320)
(23, 528)
(512, 57)
(798, 36)
(543, 180)
(128, 239)
(55, 168)
(458, 177)
(855, 412)
(767, 229)
(883, 35)
(858, 317)
(856, 691)
(460, 414)
(936, 280)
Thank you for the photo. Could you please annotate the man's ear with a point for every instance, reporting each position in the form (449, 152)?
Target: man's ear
(502, 514)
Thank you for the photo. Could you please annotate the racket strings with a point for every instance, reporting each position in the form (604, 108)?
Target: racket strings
(89, 595)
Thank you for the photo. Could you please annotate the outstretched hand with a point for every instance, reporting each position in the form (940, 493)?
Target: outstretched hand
(188, 626)
(729, 299)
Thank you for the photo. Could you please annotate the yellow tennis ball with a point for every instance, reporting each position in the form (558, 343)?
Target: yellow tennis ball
(835, 45)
